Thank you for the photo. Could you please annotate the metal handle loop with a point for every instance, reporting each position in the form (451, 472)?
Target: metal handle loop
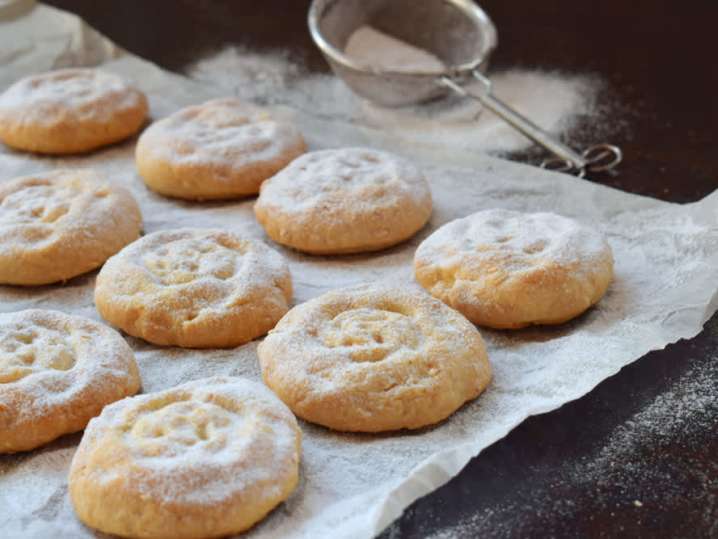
(599, 158)
(602, 157)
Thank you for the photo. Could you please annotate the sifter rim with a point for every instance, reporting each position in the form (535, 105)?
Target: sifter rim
(467, 7)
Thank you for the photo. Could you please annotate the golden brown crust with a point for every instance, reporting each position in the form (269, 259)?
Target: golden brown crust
(372, 359)
(204, 459)
(195, 288)
(223, 148)
(70, 111)
(343, 201)
(57, 225)
(56, 373)
(508, 270)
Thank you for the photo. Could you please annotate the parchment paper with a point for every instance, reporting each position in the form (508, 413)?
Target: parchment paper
(352, 485)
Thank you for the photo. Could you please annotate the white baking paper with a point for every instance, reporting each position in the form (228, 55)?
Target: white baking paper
(355, 485)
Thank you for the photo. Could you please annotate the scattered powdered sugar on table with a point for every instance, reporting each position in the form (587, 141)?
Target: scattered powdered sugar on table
(625, 462)
(555, 101)
(355, 485)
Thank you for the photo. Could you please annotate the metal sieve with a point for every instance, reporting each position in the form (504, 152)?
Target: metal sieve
(458, 32)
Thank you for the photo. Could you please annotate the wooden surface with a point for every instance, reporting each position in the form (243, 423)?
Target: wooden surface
(618, 462)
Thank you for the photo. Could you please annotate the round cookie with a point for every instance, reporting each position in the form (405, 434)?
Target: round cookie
(204, 459)
(195, 288)
(507, 269)
(344, 201)
(57, 225)
(70, 111)
(56, 373)
(372, 359)
(223, 148)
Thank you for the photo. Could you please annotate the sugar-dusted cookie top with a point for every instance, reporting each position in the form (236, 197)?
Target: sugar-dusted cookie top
(374, 358)
(56, 372)
(57, 225)
(508, 269)
(207, 458)
(198, 288)
(70, 111)
(344, 201)
(223, 148)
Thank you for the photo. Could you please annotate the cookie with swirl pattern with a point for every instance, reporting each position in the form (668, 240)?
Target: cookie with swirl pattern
(194, 288)
(374, 358)
(507, 269)
(70, 111)
(220, 149)
(56, 373)
(207, 458)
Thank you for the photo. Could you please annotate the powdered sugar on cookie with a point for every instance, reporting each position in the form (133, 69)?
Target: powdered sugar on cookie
(223, 131)
(225, 268)
(56, 372)
(61, 224)
(218, 447)
(345, 200)
(218, 149)
(515, 240)
(507, 269)
(70, 111)
(350, 178)
(194, 287)
(374, 358)
(81, 93)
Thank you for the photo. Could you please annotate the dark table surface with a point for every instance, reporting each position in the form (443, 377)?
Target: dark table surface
(638, 456)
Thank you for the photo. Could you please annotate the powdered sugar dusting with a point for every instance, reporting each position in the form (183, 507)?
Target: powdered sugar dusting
(555, 101)
(49, 361)
(345, 181)
(46, 207)
(227, 132)
(662, 436)
(203, 442)
(373, 340)
(212, 270)
(57, 95)
(375, 49)
(666, 264)
(515, 240)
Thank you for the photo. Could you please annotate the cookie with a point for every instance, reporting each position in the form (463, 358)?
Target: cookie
(70, 111)
(374, 358)
(223, 148)
(56, 373)
(204, 459)
(195, 288)
(506, 269)
(344, 201)
(57, 225)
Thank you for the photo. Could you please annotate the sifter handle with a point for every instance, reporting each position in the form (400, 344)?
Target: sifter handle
(600, 157)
